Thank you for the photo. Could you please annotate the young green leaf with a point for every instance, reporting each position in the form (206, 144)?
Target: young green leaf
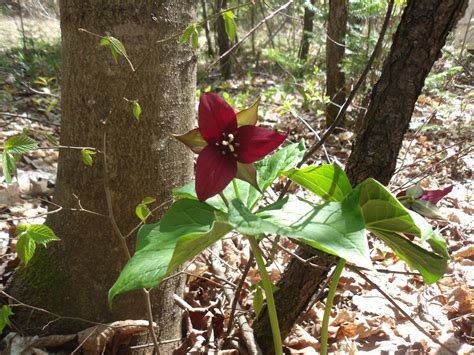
(142, 211)
(137, 110)
(20, 144)
(9, 166)
(116, 47)
(87, 156)
(148, 200)
(51, 139)
(25, 248)
(187, 33)
(5, 314)
(40, 233)
(195, 39)
(229, 23)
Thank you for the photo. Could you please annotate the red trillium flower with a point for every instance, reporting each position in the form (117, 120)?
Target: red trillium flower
(227, 144)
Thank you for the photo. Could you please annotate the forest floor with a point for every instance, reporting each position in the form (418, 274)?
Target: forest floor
(437, 152)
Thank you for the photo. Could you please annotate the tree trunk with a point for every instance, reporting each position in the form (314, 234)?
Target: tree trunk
(210, 51)
(223, 41)
(336, 33)
(72, 277)
(307, 29)
(417, 43)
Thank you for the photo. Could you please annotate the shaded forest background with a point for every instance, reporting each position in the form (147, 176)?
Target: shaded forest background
(288, 63)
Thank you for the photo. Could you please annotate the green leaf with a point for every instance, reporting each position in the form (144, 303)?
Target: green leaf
(25, 248)
(431, 266)
(195, 39)
(40, 233)
(328, 181)
(186, 229)
(229, 23)
(5, 314)
(382, 211)
(268, 170)
(427, 209)
(51, 139)
(8, 166)
(137, 110)
(187, 33)
(336, 228)
(20, 144)
(116, 47)
(257, 300)
(386, 217)
(142, 211)
(415, 191)
(87, 156)
(148, 200)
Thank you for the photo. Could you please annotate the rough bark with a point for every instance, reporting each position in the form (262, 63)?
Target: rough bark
(417, 43)
(336, 33)
(72, 277)
(223, 41)
(307, 30)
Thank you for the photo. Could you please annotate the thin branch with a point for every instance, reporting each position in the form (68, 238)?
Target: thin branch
(247, 331)
(123, 243)
(346, 105)
(248, 34)
(390, 299)
(250, 262)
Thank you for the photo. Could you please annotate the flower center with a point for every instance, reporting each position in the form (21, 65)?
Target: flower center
(228, 144)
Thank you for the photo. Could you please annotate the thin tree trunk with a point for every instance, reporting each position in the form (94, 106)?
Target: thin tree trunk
(223, 41)
(307, 30)
(417, 43)
(210, 51)
(336, 33)
(72, 277)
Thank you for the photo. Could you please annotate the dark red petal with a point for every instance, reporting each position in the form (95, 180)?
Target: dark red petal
(214, 171)
(253, 143)
(402, 193)
(434, 196)
(215, 117)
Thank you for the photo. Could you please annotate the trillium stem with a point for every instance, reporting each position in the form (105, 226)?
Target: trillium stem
(268, 288)
(236, 189)
(329, 302)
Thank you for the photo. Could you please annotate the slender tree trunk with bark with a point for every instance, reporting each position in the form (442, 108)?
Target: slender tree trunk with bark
(336, 33)
(210, 51)
(72, 277)
(223, 41)
(417, 44)
(307, 29)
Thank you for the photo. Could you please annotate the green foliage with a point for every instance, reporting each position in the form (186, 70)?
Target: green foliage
(437, 80)
(229, 23)
(88, 156)
(29, 237)
(13, 147)
(191, 32)
(136, 109)
(287, 60)
(336, 228)
(116, 47)
(5, 314)
(186, 229)
(268, 170)
(142, 210)
(327, 181)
